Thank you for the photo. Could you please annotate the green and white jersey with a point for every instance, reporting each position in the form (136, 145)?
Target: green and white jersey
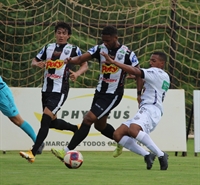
(156, 84)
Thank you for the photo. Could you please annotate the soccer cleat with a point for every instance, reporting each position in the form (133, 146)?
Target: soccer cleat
(60, 154)
(163, 161)
(118, 150)
(40, 149)
(28, 156)
(149, 159)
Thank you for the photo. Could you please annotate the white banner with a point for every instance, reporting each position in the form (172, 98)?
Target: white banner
(170, 134)
(196, 103)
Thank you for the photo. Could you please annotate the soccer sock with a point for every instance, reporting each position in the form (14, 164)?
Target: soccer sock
(63, 125)
(79, 136)
(145, 139)
(26, 127)
(108, 131)
(42, 133)
(131, 144)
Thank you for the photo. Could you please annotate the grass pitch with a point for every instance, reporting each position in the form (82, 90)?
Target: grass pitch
(100, 168)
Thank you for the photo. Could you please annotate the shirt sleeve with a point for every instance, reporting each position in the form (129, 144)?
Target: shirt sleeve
(42, 54)
(133, 58)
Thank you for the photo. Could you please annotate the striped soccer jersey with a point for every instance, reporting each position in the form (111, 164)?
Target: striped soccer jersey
(112, 78)
(56, 75)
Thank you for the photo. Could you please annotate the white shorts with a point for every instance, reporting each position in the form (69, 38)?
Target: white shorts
(148, 117)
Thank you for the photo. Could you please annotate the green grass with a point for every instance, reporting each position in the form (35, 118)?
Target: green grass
(100, 168)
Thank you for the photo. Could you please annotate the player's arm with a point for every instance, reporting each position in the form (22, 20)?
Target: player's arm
(129, 69)
(79, 59)
(38, 63)
(83, 68)
(140, 83)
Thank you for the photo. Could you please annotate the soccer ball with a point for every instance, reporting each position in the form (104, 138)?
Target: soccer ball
(73, 159)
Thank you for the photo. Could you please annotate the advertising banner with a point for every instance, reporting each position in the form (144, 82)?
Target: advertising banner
(170, 134)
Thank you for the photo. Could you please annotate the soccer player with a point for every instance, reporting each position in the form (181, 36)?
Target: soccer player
(56, 83)
(9, 109)
(156, 84)
(109, 90)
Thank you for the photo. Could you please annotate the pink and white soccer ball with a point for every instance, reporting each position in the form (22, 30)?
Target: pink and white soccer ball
(73, 159)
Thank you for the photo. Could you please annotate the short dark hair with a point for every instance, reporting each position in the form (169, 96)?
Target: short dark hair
(109, 30)
(64, 26)
(162, 55)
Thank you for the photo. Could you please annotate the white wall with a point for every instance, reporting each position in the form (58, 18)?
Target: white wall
(170, 135)
(196, 102)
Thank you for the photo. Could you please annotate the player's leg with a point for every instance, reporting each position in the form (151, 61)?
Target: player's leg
(121, 136)
(96, 112)
(24, 125)
(83, 131)
(44, 129)
(90, 118)
(42, 134)
(146, 140)
(9, 109)
(143, 122)
(61, 124)
(78, 136)
(27, 128)
(52, 103)
(117, 135)
(105, 128)
(106, 102)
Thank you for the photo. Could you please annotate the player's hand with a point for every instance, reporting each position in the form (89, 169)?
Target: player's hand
(67, 60)
(37, 63)
(108, 59)
(73, 76)
(40, 64)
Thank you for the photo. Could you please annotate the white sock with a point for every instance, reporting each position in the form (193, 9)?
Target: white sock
(145, 139)
(66, 149)
(131, 144)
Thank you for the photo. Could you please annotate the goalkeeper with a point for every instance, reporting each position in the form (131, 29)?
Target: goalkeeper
(9, 109)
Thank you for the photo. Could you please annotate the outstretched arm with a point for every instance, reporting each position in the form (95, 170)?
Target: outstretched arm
(129, 69)
(83, 68)
(78, 59)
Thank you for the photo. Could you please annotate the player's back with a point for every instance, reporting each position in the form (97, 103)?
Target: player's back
(156, 84)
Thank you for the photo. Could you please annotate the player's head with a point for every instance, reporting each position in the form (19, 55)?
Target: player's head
(62, 32)
(158, 59)
(109, 37)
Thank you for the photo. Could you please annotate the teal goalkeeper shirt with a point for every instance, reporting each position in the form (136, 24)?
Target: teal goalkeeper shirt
(2, 83)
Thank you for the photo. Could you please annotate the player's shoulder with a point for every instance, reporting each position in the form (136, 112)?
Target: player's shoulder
(156, 70)
(126, 49)
(72, 46)
(50, 45)
(100, 46)
(95, 48)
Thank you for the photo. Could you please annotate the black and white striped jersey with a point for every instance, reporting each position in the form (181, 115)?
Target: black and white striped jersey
(56, 75)
(112, 78)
